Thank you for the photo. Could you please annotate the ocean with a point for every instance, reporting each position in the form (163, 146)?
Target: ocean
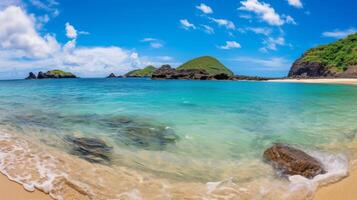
(171, 139)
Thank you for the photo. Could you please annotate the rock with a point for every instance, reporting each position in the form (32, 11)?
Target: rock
(221, 76)
(304, 69)
(41, 75)
(31, 76)
(249, 78)
(164, 72)
(91, 149)
(112, 75)
(141, 134)
(291, 161)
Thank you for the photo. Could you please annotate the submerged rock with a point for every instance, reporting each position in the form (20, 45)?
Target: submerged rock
(141, 134)
(91, 149)
(291, 161)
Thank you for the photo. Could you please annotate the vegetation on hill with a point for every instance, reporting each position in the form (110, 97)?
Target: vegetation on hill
(207, 63)
(335, 56)
(58, 72)
(147, 71)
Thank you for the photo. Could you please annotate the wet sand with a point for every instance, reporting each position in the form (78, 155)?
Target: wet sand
(346, 189)
(343, 81)
(13, 191)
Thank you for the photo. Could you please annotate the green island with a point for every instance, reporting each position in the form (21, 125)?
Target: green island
(207, 63)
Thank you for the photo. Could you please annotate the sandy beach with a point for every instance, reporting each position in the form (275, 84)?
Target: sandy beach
(342, 190)
(13, 191)
(342, 81)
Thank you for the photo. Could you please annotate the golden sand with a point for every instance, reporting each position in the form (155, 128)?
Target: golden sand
(13, 191)
(346, 189)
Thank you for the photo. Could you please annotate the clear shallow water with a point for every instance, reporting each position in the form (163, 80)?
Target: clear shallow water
(220, 129)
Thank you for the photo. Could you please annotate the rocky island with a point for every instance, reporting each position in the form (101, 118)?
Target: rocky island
(52, 74)
(335, 60)
(202, 68)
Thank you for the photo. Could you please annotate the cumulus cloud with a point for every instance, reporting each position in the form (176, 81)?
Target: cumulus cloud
(204, 8)
(18, 33)
(186, 24)
(339, 33)
(71, 32)
(295, 3)
(264, 11)
(230, 45)
(24, 49)
(224, 22)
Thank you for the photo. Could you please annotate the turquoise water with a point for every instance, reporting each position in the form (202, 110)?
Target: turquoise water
(211, 130)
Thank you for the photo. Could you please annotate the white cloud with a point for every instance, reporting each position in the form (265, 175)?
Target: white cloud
(260, 30)
(204, 8)
(186, 24)
(23, 49)
(230, 45)
(295, 3)
(149, 40)
(207, 29)
(272, 43)
(156, 45)
(289, 20)
(153, 42)
(274, 62)
(263, 10)
(7, 3)
(18, 33)
(49, 6)
(339, 33)
(71, 32)
(223, 22)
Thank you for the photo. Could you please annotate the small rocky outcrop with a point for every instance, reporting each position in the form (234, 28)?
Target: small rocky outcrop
(249, 78)
(167, 72)
(55, 74)
(91, 149)
(31, 76)
(291, 161)
(112, 75)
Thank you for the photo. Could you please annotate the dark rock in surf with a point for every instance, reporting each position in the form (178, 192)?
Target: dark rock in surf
(291, 161)
(90, 149)
(31, 76)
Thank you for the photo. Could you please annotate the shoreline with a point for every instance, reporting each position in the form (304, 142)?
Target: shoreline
(339, 81)
(11, 190)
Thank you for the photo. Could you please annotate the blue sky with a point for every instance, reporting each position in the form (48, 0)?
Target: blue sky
(93, 38)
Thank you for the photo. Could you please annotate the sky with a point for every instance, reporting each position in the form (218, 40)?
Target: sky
(93, 38)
